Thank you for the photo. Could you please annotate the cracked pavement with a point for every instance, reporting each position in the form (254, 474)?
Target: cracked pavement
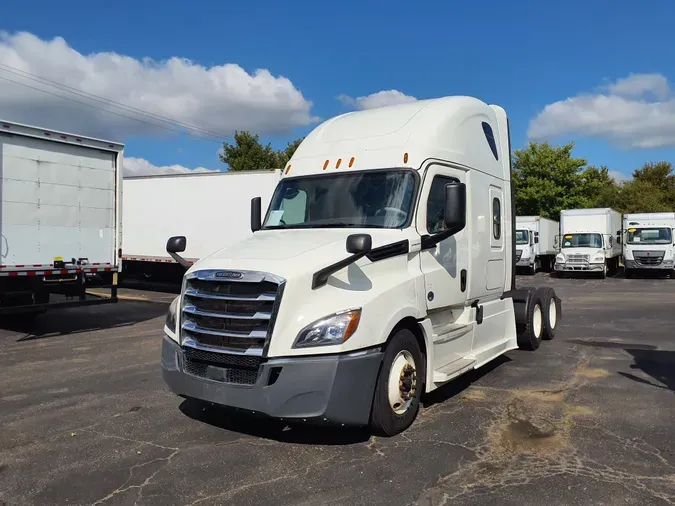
(589, 418)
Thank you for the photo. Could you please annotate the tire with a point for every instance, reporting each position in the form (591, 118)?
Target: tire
(384, 418)
(603, 274)
(551, 312)
(532, 269)
(529, 335)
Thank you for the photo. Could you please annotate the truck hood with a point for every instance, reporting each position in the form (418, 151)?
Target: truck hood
(288, 252)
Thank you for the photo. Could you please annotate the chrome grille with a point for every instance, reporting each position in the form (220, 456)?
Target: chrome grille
(648, 257)
(578, 258)
(229, 310)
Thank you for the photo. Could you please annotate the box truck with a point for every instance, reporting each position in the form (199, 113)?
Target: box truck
(60, 218)
(204, 207)
(383, 268)
(590, 241)
(536, 243)
(648, 242)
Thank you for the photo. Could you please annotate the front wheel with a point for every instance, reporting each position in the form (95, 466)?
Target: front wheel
(603, 274)
(399, 385)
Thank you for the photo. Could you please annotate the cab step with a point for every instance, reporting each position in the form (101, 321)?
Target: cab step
(453, 369)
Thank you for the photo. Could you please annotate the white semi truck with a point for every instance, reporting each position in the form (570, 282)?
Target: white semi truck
(536, 243)
(590, 241)
(383, 269)
(648, 243)
(160, 206)
(59, 220)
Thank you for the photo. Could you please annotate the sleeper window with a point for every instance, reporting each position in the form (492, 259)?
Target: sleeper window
(496, 218)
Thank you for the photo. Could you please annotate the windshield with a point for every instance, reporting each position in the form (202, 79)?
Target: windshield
(649, 236)
(522, 237)
(370, 199)
(582, 241)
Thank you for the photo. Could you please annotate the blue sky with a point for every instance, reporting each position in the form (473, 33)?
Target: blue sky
(523, 55)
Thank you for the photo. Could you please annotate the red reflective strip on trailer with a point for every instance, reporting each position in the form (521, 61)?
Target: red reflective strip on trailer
(13, 274)
(32, 273)
(92, 270)
(107, 269)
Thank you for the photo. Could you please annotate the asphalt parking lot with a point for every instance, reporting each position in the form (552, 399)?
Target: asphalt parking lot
(589, 418)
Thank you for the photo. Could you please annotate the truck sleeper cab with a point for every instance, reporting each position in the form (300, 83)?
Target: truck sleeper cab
(649, 243)
(384, 268)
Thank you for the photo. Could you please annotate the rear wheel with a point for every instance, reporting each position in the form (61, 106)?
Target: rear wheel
(551, 310)
(529, 335)
(399, 385)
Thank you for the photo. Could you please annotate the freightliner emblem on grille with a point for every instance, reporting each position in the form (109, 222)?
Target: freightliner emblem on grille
(229, 274)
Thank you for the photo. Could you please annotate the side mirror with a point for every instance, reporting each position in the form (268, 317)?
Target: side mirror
(176, 244)
(256, 214)
(536, 238)
(455, 207)
(359, 244)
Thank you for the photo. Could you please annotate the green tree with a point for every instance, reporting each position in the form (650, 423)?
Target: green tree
(248, 153)
(652, 189)
(598, 188)
(548, 179)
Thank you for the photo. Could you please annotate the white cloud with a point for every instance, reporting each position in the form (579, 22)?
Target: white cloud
(379, 99)
(141, 167)
(637, 85)
(221, 98)
(635, 112)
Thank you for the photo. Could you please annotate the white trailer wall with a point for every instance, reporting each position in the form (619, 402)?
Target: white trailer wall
(58, 199)
(211, 209)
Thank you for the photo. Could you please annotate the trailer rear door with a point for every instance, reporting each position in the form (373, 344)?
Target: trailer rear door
(57, 200)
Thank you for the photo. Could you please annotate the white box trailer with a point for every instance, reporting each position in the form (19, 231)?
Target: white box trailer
(590, 241)
(60, 218)
(536, 242)
(648, 242)
(204, 207)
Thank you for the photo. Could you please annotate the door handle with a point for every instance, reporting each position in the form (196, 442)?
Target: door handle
(462, 280)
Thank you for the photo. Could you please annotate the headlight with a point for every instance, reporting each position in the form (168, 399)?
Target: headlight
(560, 258)
(170, 321)
(335, 329)
(598, 258)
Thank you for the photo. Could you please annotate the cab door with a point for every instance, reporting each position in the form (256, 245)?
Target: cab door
(445, 265)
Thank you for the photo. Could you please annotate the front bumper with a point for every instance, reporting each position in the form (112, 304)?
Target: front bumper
(330, 388)
(525, 262)
(664, 266)
(579, 267)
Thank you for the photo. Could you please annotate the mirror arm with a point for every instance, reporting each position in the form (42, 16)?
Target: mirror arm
(183, 263)
(320, 277)
(430, 241)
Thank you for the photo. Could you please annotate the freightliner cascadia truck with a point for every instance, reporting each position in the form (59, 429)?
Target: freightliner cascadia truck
(382, 269)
